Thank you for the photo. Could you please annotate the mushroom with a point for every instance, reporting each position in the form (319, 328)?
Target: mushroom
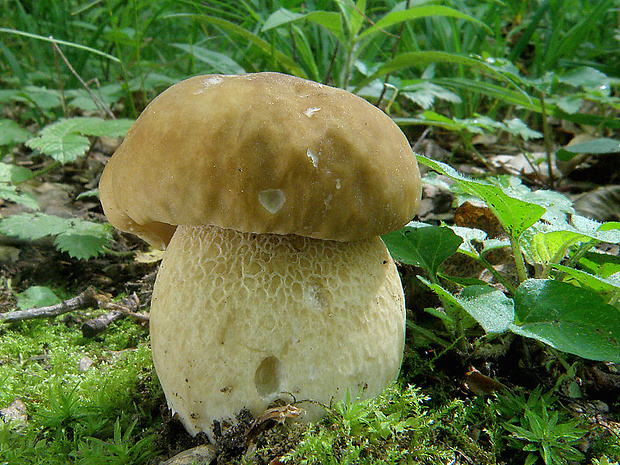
(269, 193)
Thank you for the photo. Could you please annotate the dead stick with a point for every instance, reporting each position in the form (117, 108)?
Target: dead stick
(84, 300)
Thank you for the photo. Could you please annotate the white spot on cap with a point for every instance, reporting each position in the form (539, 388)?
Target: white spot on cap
(327, 201)
(208, 82)
(314, 158)
(272, 199)
(311, 111)
(338, 184)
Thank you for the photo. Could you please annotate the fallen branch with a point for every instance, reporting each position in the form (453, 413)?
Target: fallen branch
(126, 307)
(86, 299)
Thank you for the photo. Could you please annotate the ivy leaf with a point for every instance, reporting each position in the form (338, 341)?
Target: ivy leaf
(569, 318)
(489, 307)
(66, 139)
(425, 246)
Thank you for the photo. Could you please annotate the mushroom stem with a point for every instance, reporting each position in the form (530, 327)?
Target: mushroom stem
(240, 320)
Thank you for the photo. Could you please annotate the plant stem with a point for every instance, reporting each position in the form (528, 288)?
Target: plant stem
(519, 262)
(547, 139)
(497, 275)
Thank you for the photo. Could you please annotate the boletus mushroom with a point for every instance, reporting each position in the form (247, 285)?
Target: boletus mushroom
(269, 194)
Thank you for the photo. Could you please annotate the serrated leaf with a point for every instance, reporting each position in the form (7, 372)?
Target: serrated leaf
(517, 127)
(84, 239)
(279, 17)
(98, 127)
(41, 97)
(585, 77)
(65, 140)
(12, 133)
(79, 238)
(425, 92)
(22, 197)
(82, 246)
(10, 175)
(330, 20)
(568, 318)
(33, 226)
(397, 17)
(425, 246)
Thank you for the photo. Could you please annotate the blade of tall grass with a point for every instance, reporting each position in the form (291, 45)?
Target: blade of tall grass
(265, 47)
(60, 42)
(397, 17)
(574, 38)
(412, 59)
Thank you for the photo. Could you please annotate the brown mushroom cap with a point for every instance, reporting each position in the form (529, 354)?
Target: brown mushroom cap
(261, 153)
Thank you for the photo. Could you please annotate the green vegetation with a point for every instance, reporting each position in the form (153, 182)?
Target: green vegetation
(530, 76)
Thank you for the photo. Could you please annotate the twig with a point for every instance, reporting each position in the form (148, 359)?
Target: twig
(547, 140)
(84, 300)
(394, 52)
(126, 307)
(87, 299)
(97, 100)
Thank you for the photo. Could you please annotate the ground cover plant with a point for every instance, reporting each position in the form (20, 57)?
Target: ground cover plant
(511, 269)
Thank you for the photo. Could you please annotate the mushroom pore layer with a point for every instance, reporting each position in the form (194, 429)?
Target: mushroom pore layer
(239, 320)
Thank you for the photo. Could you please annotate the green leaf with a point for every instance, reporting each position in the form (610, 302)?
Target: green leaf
(220, 62)
(607, 288)
(489, 307)
(595, 146)
(600, 264)
(425, 92)
(279, 17)
(425, 246)
(517, 127)
(397, 17)
(411, 59)
(13, 173)
(10, 175)
(12, 133)
(549, 247)
(37, 296)
(265, 47)
(33, 226)
(84, 239)
(79, 238)
(22, 197)
(514, 215)
(65, 140)
(330, 20)
(568, 318)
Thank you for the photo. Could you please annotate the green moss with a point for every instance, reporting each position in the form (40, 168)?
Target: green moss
(74, 411)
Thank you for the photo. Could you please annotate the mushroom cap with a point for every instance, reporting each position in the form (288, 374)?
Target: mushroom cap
(261, 153)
